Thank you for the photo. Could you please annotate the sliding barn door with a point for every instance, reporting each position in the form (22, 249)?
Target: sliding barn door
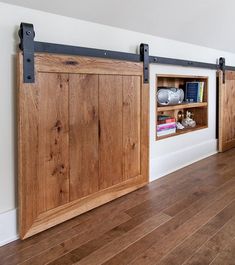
(226, 92)
(83, 137)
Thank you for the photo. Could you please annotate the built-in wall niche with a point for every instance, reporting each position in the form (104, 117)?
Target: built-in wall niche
(167, 114)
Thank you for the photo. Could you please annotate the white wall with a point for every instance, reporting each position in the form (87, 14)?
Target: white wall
(165, 155)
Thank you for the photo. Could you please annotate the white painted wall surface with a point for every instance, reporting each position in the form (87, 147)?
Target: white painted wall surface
(165, 156)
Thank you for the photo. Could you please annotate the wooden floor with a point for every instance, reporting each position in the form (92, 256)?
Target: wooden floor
(187, 217)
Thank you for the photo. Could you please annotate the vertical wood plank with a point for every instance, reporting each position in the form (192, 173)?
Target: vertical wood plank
(221, 106)
(144, 131)
(110, 115)
(229, 110)
(131, 126)
(54, 138)
(226, 111)
(83, 105)
(31, 199)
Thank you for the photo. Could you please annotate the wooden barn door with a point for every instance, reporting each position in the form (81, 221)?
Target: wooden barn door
(83, 137)
(226, 92)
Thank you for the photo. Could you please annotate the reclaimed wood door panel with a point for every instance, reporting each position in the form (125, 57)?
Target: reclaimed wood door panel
(226, 111)
(44, 153)
(83, 137)
(131, 126)
(53, 138)
(110, 130)
(83, 116)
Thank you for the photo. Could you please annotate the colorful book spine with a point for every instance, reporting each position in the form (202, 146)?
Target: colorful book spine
(163, 117)
(166, 132)
(201, 91)
(169, 120)
(166, 126)
(194, 91)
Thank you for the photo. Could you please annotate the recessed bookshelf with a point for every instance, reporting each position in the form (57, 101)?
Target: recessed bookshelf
(199, 110)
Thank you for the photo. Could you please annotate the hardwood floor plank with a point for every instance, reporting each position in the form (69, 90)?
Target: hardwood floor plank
(130, 224)
(156, 252)
(227, 256)
(212, 231)
(118, 238)
(123, 228)
(213, 178)
(211, 248)
(162, 199)
(19, 245)
(101, 212)
(140, 218)
(41, 253)
(198, 199)
(146, 243)
(104, 253)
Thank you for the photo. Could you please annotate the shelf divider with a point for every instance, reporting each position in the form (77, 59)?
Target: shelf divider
(182, 106)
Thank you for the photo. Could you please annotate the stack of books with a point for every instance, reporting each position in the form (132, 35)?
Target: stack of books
(194, 91)
(166, 125)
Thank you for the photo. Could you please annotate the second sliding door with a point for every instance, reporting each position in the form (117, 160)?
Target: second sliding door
(226, 106)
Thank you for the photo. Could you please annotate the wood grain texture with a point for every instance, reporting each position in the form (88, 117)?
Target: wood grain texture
(226, 111)
(110, 130)
(183, 106)
(209, 248)
(51, 63)
(144, 132)
(53, 138)
(131, 126)
(69, 210)
(109, 250)
(187, 217)
(84, 157)
(28, 121)
(185, 223)
(172, 237)
(226, 256)
(86, 141)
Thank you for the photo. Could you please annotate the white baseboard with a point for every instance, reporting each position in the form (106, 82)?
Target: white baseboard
(8, 227)
(163, 165)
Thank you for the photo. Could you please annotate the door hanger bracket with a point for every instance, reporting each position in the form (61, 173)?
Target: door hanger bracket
(27, 34)
(144, 54)
(222, 67)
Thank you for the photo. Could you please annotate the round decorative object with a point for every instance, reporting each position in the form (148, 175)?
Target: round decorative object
(170, 96)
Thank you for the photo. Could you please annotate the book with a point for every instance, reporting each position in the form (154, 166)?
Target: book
(168, 120)
(166, 126)
(192, 92)
(201, 91)
(166, 132)
(163, 117)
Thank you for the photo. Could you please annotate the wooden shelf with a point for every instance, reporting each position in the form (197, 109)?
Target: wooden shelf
(183, 131)
(199, 110)
(182, 106)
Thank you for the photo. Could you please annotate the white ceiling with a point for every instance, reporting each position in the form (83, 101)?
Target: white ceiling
(204, 22)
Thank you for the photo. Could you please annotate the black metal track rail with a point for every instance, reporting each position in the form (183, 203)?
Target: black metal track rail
(180, 62)
(45, 47)
(229, 68)
(29, 47)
